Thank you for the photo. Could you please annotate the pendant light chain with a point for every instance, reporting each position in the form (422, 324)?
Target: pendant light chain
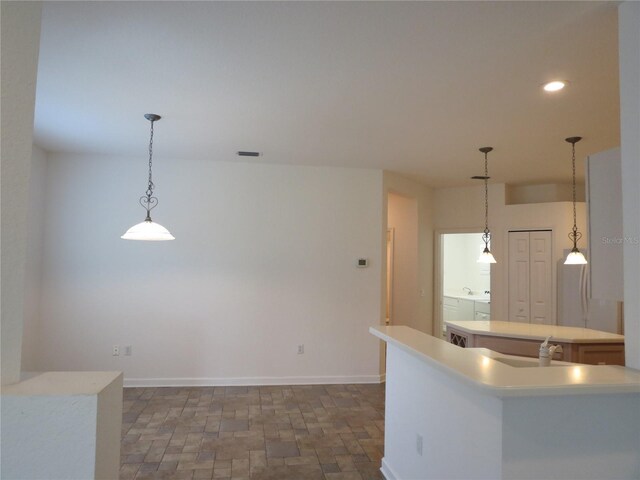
(486, 256)
(573, 166)
(151, 185)
(486, 195)
(148, 201)
(574, 234)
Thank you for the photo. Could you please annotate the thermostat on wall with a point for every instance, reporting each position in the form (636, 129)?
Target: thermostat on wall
(362, 263)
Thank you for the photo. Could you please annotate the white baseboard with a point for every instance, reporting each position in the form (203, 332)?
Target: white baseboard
(387, 472)
(249, 381)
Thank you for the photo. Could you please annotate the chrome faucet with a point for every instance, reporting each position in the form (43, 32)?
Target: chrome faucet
(467, 288)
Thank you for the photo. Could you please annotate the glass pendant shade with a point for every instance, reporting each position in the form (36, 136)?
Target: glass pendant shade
(486, 257)
(148, 230)
(575, 257)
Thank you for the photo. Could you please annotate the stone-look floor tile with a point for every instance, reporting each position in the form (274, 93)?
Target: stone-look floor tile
(301, 432)
(209, 456)
(275, 461)
(203, 474)
(233, 425)
(301, 460)
(370, 471)
(221, 473)
(282, 449)
(179, 457)
(170, 466)
(239, 467)
(343, 476)
(128, 471)
(137, 458)
(330, 468)
(208, 464)
(345, 462)
(257, 458)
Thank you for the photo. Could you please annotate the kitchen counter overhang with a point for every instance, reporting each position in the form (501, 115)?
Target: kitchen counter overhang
(480, 368)
(452, 412)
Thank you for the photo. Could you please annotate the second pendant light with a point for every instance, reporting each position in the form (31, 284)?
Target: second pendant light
(486, 256)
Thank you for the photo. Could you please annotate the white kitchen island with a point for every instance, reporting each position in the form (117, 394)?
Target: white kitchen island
(456, 413)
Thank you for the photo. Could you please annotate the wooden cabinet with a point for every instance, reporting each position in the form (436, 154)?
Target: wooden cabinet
(589, 353)
(530, 277)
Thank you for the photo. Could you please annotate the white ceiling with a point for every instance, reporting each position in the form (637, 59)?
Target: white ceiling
(412, 87)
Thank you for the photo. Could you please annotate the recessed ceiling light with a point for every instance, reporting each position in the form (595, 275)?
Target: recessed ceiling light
(554, 86)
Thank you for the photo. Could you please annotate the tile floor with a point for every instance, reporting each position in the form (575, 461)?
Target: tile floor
(326, 432)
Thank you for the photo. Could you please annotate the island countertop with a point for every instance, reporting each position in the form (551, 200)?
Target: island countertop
(481, 368)
(536, 332)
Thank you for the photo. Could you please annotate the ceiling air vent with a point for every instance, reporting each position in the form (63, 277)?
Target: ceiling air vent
(248, 154)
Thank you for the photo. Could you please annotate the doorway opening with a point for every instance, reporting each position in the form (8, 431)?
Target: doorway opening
(464, 285)
(390, 251)
(402, 261)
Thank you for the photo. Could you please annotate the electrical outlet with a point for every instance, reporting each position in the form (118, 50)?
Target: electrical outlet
(127, 350)
(300, 349)
(116, 351)
(419, 444)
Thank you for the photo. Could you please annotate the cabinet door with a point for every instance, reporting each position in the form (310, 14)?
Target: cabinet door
(519, 277)
(530, 277)
(466, 310)
(450, 309)
(482, 307)
(540, 274)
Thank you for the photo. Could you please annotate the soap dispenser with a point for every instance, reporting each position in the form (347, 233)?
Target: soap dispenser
(545, 353)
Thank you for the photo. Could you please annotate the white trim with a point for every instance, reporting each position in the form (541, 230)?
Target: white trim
(383, 377)
(387, 471)
(249, 381)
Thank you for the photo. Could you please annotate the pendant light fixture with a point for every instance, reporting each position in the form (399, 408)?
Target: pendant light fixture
(486, 256)
(149, 230)
(575, 257)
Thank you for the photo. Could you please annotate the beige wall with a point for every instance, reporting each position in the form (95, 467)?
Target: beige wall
(265, 259)
(394, 184)
(19, 52)
(33, 269)
(403, 219)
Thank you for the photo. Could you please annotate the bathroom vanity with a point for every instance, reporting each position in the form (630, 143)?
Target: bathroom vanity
(579, 345)
(472, 413)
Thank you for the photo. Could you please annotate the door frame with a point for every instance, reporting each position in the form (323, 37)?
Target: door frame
(391, 234)
(438, 273)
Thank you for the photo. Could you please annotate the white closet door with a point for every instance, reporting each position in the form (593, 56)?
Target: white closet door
(519, 277)
(540, 276)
